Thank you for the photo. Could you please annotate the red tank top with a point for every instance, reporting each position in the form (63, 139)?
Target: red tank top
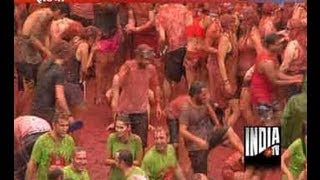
(195, 30)
(261, 88)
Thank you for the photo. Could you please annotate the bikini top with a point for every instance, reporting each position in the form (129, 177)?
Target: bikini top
(195, 30)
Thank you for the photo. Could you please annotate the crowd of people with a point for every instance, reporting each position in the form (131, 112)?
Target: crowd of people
(237, 61)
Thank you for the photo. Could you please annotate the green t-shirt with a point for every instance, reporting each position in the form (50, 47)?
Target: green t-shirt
(133, 144)
(136, 172)
(45, 146)
(155, 163)
(68, 172)
(297, 159)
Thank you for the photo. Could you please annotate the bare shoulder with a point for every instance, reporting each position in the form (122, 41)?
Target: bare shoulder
(83, 46)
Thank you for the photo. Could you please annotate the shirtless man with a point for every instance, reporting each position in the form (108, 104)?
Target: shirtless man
(170, 23)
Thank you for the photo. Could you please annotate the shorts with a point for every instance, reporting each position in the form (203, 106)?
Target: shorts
(173, 66)
(199, 161)
(266, 111)
(139, 126)
(74, 94)
(173, 125)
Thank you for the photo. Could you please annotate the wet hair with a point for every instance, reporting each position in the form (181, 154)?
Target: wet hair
(55, 174)
(268, 8)
(272, 39)
(250, 16)
(123, 118)
(71, 32)
(59, 116)
(227, 21)
(77, 149)
(62, 50)
(126, 156)
(196, 88)
(141, 49)
(161, 129)
(89, 32)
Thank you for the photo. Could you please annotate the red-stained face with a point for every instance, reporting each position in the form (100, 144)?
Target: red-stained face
(160, 140)
(203, 96)
(122, 129)
(80, 160)
(61, 127)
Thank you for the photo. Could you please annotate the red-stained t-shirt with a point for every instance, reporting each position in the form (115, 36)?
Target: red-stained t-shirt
(135, 86)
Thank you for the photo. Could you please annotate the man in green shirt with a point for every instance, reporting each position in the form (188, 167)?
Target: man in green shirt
(51, 150)
(77, 169)
(160, 161)
(131, 172)
(122, 139)
(294, 114)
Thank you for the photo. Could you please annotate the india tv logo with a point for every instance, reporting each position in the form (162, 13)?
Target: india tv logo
(262, 145)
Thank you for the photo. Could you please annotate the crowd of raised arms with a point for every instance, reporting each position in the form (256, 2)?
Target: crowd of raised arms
(184, 73)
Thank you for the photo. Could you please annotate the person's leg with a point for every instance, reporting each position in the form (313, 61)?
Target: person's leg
(235, 112)
(189, 66)
(167, 91)
(20, 163)
(246, 107)
(101, 64)
(199, 161)
(202, 70)
(249, 172)
(190, 75)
